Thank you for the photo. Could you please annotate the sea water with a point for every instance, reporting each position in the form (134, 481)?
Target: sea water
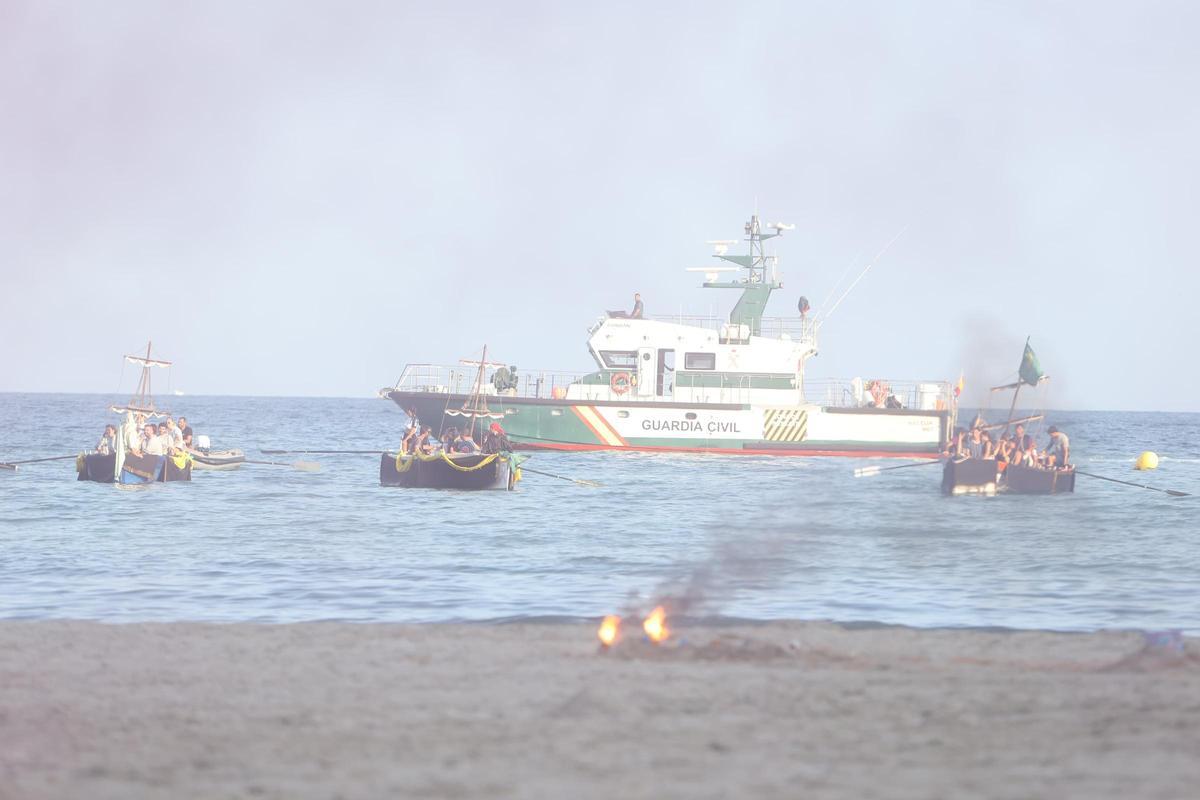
(745, 536)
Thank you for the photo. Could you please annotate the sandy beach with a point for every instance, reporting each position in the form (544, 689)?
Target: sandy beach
(536, 710)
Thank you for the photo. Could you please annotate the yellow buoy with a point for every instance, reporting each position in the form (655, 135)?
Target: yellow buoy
(1146, 460)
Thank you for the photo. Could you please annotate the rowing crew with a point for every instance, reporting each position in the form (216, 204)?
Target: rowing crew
(420, 440)
(1015, 448)
(147, 438)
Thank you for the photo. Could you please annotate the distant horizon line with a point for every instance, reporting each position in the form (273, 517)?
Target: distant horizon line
(376, 397)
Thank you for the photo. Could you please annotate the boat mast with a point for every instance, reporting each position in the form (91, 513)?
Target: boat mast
(1011, 409)
(143, 398)
(143, 389)
(760, 279)
(476, 403)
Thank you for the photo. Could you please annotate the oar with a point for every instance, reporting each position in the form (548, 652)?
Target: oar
(303, 466)
(13, 464)
(581, 482)
(871, 472)
(1171, 492)
(320, 452)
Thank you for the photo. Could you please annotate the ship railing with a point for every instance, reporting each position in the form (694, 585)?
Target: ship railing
(793, 328)
(685, 386)
(443, 379)
(592, 386)
(868, 392)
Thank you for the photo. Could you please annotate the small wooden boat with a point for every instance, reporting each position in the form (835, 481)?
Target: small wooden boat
(122, 465)
(987, 476)
(969, 476)
(127, 468)
(465, 471)
(218, 459)
(443, 470)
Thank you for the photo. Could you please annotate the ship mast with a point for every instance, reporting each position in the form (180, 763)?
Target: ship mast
(761, 277)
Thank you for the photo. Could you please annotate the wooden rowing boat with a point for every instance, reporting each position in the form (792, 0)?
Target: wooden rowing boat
(463, 471)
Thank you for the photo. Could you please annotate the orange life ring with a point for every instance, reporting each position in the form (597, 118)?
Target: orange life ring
(620, 382)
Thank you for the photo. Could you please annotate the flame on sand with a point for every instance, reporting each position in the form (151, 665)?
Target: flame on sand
(655, 625)
(609, 628)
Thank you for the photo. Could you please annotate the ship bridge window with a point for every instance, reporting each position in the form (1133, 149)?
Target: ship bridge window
(619, 359)
(699, 360)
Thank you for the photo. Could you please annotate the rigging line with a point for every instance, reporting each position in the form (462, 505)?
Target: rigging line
(863, 274)
(842, 277)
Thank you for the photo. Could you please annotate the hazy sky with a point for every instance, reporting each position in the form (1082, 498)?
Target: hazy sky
(299, 198)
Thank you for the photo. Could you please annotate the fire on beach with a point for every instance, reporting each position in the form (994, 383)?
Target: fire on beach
(654, 626)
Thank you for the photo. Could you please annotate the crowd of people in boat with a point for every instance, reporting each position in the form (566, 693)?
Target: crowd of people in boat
(420, 439)
(167, 438)
(1017, 447)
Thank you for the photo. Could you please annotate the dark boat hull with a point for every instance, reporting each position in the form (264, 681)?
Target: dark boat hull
(102, 468)
(983, 476)
(1034, 480)
(463, 472)
(969, 476)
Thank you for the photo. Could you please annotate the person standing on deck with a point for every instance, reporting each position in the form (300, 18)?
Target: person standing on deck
(108, 442)
(129, 430)
(637, 307)
(1058, 451)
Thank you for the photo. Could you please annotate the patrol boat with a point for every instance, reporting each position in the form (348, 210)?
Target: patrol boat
(701, 385)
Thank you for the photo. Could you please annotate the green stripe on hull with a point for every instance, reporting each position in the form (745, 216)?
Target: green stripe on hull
(559, 424)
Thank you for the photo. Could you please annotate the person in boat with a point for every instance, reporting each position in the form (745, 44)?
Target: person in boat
(449, 437)
(989, 446)
(422, 444)
(1058, 451)
(108, 441)
(152, 443)
(495, 441)
(1028, 456)
(173, 435)
(975, 445)
(463, 443)
(1019, 435)
(954, 448)
(129, 432)
(410, 437)
(638, 308)
(185, 430)
(1004, 449)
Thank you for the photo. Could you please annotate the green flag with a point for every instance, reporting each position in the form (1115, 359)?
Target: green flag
(1031, 370)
